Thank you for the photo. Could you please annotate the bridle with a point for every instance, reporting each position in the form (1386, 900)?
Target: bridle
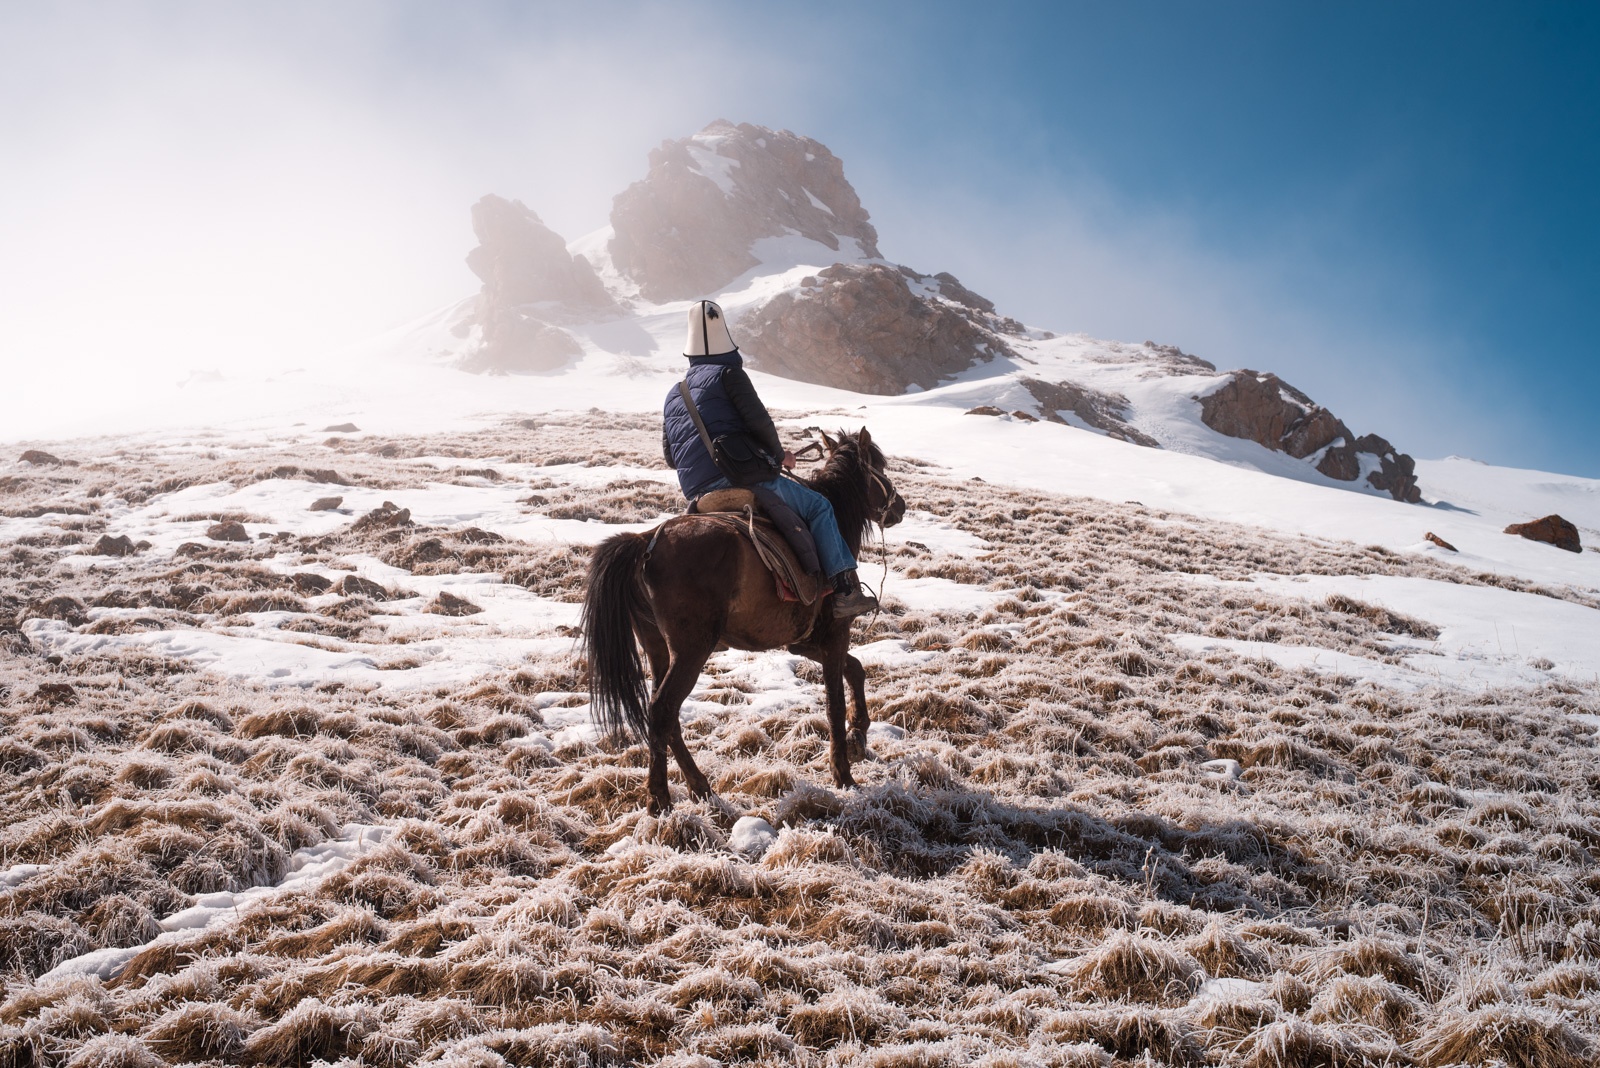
(879, 481)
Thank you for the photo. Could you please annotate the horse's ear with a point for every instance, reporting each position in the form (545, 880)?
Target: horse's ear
(831, 445)
(864, 438)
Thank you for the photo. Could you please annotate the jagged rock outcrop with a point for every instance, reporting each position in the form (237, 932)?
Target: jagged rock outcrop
(530, 282)
(1552, 530)
(687, 229)
(1103, 411)
(872, 328)
(1267, 410)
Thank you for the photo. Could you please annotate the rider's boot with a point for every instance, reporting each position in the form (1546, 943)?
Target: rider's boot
(849, 599)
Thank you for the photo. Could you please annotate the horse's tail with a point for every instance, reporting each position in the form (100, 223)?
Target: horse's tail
(612, 604)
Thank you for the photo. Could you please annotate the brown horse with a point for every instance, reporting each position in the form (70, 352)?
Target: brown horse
(693, 585)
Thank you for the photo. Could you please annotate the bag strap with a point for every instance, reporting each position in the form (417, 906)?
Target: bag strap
(694, 413)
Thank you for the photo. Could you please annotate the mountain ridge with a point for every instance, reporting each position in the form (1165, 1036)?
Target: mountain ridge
(766, 222)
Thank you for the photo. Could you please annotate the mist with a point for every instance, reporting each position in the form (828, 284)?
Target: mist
(195, 189)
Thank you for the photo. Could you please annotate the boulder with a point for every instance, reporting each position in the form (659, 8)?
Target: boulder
(1553, 530)
(326, 504)
(227, 530)
(688, 228)
(40, 458)
(448, 604)
(1440, 542)
(356, 586)
(386, 516)
(341, 428)
(308, 582)
(861, 327)
(121, 545)
(985, 409)
(1267, 410)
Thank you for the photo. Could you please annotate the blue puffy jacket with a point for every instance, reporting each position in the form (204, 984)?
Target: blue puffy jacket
(727, 401)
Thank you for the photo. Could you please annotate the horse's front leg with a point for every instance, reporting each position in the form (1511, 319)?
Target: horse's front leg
(856, 676)
(838, 745)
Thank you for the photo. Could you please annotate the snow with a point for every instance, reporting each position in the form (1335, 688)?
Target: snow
(1489, 636)
(713, 165)
(814, 201)
(752, 836)
(307, 867)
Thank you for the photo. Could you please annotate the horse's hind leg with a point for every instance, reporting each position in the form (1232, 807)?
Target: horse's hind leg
(666, 734)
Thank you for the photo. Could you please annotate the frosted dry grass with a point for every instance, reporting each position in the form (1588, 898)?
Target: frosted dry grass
(1040, 872)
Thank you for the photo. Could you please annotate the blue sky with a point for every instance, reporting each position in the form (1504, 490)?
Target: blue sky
(1394, 206)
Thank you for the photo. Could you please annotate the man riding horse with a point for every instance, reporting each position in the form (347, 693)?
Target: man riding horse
(726, 403)
(698, 582)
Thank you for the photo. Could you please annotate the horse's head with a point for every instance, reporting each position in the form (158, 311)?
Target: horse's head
(885, 506)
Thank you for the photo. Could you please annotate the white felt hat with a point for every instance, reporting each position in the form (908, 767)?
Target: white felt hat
(708, 331)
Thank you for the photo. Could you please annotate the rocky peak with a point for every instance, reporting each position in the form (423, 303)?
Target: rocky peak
(872, 328)
(522, 261)
(687, 229)
(1269, 411)
(529, 281)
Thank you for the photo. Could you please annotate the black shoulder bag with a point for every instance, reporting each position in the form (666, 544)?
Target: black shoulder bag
(737, 456)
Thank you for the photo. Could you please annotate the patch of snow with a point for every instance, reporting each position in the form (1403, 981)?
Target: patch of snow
(752, 836)
(307, 867)
(714, 165)
(18, 873)
(814, 201)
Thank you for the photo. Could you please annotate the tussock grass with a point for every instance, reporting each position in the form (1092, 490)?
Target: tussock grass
(1039, 873)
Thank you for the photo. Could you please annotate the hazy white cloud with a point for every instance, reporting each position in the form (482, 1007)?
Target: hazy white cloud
(191, 186)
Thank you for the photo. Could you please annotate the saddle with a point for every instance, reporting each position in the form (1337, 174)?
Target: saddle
(740, 509)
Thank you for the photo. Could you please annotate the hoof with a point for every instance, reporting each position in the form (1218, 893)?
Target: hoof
(858, 749)
(845, 781)
(658, 808)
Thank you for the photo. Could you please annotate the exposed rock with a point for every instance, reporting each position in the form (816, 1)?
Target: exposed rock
(529, 280)
(121, 545)
(341, 428)
(40, 458)
(227, 531)
(860, 327)
(1024, 416)
(1397, 475)
(1103, 411)
(687, 229)
(326, 504)
(356, 586)
(1175, 359)
(985, 409)
(1267, 410)
(1440, 542)
(448, 604)
(522, 261)
(311, 583)
(1553, 530)
(386, 516)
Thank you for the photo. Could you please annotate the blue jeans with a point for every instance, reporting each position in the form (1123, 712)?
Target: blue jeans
(832, 553)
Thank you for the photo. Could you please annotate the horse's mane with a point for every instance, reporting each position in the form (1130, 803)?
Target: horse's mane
(843, 480)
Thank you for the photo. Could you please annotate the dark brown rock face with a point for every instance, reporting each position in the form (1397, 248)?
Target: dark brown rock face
(861, 327)
(686, 230)
(1553, 530)
(529, 280)
(1267, 410)
(227, 530)
(121, 545)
